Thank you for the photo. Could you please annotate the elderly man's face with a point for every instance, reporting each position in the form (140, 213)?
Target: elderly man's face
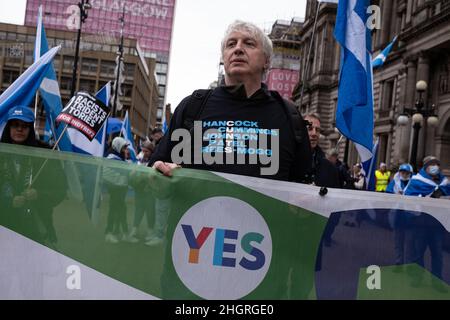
(243, 57)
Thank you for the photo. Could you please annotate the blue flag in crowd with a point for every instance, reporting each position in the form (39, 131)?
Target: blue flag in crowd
(48, 131)
(381, 58)
(49, 89)
(96, 147)
(114, 125)
(354, 114)
(369, 167)
(127, 135)
(23, 90)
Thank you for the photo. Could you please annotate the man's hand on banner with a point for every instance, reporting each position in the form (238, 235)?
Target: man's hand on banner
(165, 168)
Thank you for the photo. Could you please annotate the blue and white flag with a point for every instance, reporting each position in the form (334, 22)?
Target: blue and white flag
(369, 167)
(48, 131)
(23, 90)
(423, 185)
(49, 89)
(114, 125)
(354, 114)
(381, 58)
(96, 147)
(127, 135)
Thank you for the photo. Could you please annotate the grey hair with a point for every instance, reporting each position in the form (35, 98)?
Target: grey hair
(253, 30)
(312, 115)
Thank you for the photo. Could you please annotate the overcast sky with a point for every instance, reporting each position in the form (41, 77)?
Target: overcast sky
(198, 30)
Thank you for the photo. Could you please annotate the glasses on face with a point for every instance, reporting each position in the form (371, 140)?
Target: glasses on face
(19, 125)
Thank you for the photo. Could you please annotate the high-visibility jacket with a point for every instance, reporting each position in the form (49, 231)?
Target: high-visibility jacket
(382, 180)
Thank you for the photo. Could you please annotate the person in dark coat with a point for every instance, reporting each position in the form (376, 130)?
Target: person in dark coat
(26, 194)
(323, 173)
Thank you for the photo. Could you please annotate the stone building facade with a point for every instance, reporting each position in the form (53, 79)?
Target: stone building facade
(422, 52)
(95, 68)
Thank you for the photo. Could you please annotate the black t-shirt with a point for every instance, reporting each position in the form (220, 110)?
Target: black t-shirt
(233, 123)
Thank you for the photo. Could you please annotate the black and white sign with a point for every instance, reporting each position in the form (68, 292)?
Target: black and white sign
(85, 113)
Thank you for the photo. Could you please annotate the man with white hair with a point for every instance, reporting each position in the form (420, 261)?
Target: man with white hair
(243, 113)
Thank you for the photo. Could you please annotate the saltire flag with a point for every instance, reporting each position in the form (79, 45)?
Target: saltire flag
(23, 90)
(49, 89)
(128, 136)
(369, 167)
(354, 114)
(379, 60)
(48, 131)
(96, 147)
(114, 125)
(225, 237)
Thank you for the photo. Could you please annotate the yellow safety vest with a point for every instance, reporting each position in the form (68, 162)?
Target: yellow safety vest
(382, 180)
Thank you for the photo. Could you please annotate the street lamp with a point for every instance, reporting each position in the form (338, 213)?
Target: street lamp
(419, 113)
(83, 6)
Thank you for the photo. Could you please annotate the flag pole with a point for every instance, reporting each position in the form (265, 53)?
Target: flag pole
(46, 160)
(36, 99)
(306, 67)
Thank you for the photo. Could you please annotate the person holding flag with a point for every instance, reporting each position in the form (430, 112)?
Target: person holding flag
(28, 203)
(426, 230)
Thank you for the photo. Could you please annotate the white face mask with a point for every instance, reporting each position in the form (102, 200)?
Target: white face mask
(404, 178)
(433, 170)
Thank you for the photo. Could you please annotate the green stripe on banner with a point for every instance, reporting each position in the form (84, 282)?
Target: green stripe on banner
(215, 236)
(291, 243)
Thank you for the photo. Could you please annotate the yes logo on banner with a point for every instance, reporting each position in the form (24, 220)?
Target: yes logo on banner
(222, 240)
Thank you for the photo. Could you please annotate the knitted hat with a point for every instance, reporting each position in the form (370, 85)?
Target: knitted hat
(429, 160)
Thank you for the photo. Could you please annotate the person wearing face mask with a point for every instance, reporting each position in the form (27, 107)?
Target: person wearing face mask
(429, 182)
(401, 179)
(427, 232)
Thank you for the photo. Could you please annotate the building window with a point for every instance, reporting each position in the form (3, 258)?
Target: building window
(66, 83)
(383, 148)
(68, 63)
(161, 68)
(161, 79)
(127, 89)
(129, 70)
(107, 68)
(87, 85)
(89, 65)
(161, 90)
(388, 95)
(9, 76)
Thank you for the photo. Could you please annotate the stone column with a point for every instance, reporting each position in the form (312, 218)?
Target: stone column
(409, 11)
(386, 15)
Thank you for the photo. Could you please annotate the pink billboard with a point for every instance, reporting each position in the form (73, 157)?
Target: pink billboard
(149, 21)
(283, 81)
